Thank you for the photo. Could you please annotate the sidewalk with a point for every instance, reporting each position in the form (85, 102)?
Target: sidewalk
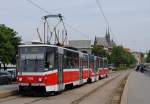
(7, 90)
(137, 89)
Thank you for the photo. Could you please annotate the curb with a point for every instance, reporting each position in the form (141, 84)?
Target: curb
(124, 97)
(8, 93)
(118, 91)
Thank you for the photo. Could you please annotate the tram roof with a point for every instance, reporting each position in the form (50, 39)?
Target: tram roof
(45, 45)
(39, 45)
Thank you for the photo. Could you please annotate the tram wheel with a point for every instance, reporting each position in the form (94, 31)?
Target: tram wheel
(89, 80)
(100, 78)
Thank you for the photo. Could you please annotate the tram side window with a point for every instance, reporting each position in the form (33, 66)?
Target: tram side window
(92, 62)
(97, 63)
(71, 59)
(101, 63)
(105, 63)
(49, 63)
(99, 60)
(85, 61)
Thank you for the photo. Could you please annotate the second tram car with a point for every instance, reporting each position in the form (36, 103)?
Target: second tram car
(51, 68)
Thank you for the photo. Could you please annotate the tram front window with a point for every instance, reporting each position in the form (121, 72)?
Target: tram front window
(30, 65)
(32, 59)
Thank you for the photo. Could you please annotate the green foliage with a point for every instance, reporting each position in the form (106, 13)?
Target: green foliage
(148, 57)
(99, 51)
(8, 44)
(120, 57)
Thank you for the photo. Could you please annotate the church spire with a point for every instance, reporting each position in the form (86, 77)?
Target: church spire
(107, 35)
(95, 41)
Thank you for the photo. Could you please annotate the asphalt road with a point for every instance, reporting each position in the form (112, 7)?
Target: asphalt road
(139, 88)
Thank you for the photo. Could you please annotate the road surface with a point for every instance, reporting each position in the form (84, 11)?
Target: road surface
(139, 88)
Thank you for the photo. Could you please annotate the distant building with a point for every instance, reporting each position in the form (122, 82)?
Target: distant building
(127, 50)
(85, 45)
(81, 45)
(105, 42)
(138, 57)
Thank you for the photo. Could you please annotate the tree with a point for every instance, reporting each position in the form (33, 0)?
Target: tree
(99, 51)
(148, 57)
(117, 55)
(8, 45)
(120, 56)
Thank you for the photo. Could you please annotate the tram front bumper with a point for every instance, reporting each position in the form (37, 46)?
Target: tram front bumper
(30, 89)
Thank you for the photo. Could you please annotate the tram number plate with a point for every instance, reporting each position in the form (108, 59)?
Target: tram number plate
(30, 78)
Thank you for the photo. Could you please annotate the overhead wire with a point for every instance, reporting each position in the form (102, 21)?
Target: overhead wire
(82, 33)
(44, 10)
(102, 12)
(105, 18)
(38, 6)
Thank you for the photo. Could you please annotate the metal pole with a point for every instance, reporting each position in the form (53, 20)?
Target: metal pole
(44, 32)
(47, 33)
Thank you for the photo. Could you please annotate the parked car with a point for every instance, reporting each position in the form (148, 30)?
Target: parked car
(13, 73)
(5, 77)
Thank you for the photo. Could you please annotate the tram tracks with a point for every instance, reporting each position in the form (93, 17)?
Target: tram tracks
(5, 99)
(117, 94)
(76, 101)
(15, 97)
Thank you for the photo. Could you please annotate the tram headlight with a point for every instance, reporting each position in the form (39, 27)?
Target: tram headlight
(40, 79)
(20, 79)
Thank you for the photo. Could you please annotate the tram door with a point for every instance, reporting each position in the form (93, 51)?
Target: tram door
(95, 64)
(95, 68)
(81, 67)
(60, 68)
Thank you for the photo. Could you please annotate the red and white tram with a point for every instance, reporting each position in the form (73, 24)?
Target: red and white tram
(51, 68)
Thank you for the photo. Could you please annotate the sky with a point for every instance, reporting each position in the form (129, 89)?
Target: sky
(129, 19)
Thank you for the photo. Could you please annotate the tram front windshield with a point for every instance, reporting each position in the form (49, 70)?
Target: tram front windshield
(32, 59)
